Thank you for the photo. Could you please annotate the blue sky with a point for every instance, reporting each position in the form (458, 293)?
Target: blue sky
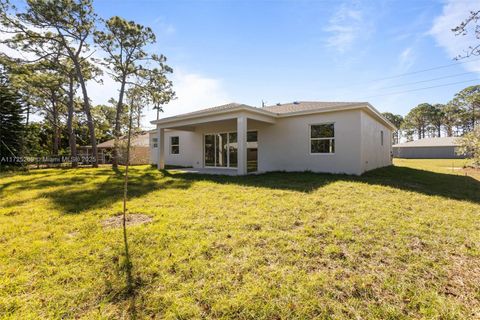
(282, 51)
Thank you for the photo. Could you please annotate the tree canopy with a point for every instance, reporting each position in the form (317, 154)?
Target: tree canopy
(55, 42)
(127, 60)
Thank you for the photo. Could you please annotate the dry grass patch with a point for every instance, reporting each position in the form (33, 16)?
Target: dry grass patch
(131, 220)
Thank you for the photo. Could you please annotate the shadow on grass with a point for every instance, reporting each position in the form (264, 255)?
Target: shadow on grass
(52, 177)
(111, 191)
(426, 182)
(451, 186)
(106, 193)
(23, 183)
(85, 190)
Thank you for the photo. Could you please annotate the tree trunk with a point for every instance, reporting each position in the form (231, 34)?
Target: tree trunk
(473, 117)
(87, 109)
(28, 115)
(139, 117)
(72, 141)
(118, 115)
(128, 262)
(449, 130)
(439, 131)
(56, 131)
(86, 102)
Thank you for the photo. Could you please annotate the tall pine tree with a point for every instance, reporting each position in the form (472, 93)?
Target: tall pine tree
(12, 126)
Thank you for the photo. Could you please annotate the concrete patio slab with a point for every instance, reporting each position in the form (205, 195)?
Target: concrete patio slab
(214, 171)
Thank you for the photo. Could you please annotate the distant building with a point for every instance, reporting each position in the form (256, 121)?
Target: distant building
(139, 150)
(428, 148)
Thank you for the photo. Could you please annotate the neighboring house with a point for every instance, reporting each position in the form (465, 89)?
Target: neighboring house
(336, 137)
(139, 151)
(85, 155)
(428, 148)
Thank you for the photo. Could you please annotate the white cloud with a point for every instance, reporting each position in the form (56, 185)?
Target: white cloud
(4, 49)
(346, 27)
(193, 91)
(164, 27)
(453, 13)
(13, 53)
(406, 59)
(100, 93)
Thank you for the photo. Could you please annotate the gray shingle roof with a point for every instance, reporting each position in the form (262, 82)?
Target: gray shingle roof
(285, 109)
(217, 108)
(431, 142)
(282, 108)
(307, 106)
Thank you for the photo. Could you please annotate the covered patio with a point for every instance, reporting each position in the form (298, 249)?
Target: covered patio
(223, 138)
(212, 171)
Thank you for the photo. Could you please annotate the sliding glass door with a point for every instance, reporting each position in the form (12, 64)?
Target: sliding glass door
(209, 150)
(221, 150)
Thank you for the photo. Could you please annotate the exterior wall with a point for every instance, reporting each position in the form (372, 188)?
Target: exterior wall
(285, 146)
(153, 150)
(138, 155)
(374, 154)
(186, 155)
(426, 153)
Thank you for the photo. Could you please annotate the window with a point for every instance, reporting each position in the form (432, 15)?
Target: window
(322, 138)
(174, 145)
(381, 137)
(155, 142)
(252, 136)
(252, 151)
(210, 150)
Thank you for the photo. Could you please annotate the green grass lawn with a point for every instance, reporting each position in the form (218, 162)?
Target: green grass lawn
(451, 166)
(397, 243)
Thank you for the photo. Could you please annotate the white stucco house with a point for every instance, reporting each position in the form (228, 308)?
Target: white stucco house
(334, 137)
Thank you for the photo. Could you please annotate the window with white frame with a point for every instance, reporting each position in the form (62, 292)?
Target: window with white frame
(155, 142)
(322, 138)
(174, 145)
(381, 137)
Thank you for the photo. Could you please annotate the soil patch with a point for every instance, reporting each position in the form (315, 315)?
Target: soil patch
(132, 220)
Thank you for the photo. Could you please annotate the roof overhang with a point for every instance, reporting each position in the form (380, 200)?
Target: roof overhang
(377, 114)
(208, 113)
(209, 116)
(262, 115)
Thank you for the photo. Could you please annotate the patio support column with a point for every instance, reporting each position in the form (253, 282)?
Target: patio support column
(161, 148)
(242, 145)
